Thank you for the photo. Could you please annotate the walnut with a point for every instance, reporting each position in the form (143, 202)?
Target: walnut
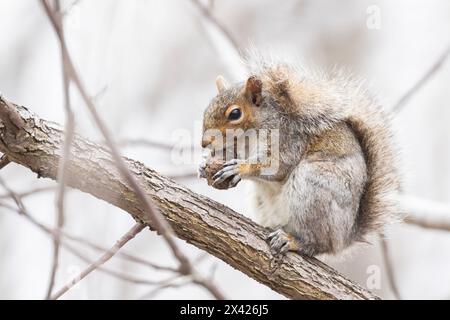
(209, 169)
(211, 166)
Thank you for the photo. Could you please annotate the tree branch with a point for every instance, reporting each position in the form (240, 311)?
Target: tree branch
(421, 82)
(197, 219)
(389, 268)
(210, 17)
(425, 213)
(68, 136)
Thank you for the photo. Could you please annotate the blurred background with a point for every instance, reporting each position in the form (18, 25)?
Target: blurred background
(150, 66)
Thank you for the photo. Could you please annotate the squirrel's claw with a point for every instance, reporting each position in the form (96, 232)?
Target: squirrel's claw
(280, 242)
(236, 179)
(230, 169)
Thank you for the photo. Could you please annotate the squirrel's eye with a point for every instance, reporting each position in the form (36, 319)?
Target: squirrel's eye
(235, 114)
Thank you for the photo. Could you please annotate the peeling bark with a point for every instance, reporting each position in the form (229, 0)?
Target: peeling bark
(211, 226)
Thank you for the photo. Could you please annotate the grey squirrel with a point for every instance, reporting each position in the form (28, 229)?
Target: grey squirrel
(336, 174)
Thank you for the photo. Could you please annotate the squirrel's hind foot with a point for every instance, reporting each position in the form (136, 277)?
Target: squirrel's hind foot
(281, 242)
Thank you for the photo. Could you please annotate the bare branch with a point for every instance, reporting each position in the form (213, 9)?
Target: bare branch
(389, 268)
(30, 192)
(145, 143)
(206, 11)
(21, 210)
(426, 213)
(52, 232)
(164, 285)
(422, 81)
(184, 176)
(437, 223)
(138, 227)
(14, 197)
(222, 41)
(120, 254)
(113, 273)
(70, 7)
(69, 132)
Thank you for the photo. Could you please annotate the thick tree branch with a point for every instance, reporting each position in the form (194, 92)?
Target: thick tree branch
(37, 145)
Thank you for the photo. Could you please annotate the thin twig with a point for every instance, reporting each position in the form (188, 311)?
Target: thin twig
(222, 40)
(113, 273)
(77, 253)
(206, 11)
(138, 227)
(389, 268)
(165, 285)
(21, 210)
(30, 192)
(159, 223)
(65, 158)
(17, 197)
(145, 143)
(4, 161)
(57, 233)
(424, 79)
(161, 226)
(69, 7)
(183, 176)
(120, 254)
(14, 197)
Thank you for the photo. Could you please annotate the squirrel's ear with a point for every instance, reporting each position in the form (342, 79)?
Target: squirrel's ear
(221, 84)
(253, 90)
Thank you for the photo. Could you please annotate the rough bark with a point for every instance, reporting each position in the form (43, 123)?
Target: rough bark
(211, 226)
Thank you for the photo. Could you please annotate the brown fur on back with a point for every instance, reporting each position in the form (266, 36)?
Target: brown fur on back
(338, 141)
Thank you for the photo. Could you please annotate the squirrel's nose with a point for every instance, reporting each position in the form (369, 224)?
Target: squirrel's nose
(206, 141)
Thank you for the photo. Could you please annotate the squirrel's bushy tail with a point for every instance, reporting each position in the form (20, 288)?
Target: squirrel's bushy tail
(378, 204)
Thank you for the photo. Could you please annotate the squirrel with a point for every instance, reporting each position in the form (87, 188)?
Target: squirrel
(336, 177)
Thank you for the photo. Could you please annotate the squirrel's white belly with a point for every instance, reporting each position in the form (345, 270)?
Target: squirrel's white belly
(270, 204)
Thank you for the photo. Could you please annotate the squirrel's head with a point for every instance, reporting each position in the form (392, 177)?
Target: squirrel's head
(234, 108)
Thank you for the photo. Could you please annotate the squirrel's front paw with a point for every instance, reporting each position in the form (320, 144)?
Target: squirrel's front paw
(229, 170)
(281, 242)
